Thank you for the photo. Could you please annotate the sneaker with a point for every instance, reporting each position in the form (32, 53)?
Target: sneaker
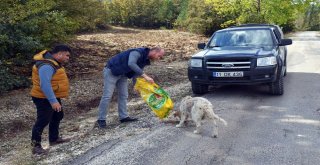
(128, 119)
(101, 124)
(38, 150)
(59, 141)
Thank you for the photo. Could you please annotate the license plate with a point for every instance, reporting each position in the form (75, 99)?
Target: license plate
(227, 74)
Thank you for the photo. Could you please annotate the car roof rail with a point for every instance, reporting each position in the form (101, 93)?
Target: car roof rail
(253, 24)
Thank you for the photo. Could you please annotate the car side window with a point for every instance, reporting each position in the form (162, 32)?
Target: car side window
(278, 36)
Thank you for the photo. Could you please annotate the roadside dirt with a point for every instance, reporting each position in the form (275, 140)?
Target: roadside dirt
(91, 51)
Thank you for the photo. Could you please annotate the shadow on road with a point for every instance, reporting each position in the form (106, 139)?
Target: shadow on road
(297, 81)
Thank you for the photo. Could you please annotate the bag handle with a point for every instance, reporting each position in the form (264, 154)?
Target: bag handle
(153, 84)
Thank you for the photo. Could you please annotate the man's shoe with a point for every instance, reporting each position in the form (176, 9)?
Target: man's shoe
(128, 119)
(38, 150)
(101, 124)
(59, 141)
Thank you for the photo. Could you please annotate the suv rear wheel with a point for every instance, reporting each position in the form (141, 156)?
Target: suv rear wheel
(276, 88)
(199, 88)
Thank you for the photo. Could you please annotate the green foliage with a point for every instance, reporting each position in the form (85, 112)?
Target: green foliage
(133, 13)
(180, 21)
(9, 81)
(86, 15)
(199, 17)
(196, 15)
(312, 16)
(168, 12)
(202, 16)
(29, 26)
(144, 13)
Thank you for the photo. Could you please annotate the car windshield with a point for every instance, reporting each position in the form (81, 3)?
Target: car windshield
(248, 37)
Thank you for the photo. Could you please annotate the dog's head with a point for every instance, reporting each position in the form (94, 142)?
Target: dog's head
(174, 115)
(185, 99)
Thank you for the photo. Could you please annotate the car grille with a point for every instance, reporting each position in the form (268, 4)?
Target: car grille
(233, 64)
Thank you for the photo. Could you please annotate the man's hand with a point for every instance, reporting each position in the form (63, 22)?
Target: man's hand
(149, 79)
(56, 106)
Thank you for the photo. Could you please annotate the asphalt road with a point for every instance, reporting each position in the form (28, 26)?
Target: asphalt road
(262, 129)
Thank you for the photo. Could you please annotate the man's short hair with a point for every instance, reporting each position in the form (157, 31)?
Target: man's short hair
(61, 48)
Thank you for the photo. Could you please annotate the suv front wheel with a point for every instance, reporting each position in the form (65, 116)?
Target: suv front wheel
(276, 88)
(199, 88)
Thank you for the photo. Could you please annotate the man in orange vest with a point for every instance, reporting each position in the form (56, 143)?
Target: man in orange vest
(50, 84)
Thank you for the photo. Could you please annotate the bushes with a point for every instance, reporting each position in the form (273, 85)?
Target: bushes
(27, 27)
(199, 17)
(85, 15)
(144, 13)
(207, 16)
(10, 81)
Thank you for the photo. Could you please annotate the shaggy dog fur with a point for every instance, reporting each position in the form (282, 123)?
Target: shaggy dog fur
(198, 108)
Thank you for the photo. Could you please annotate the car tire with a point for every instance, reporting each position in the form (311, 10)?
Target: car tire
(199, 88)
(276, 88)
(285, 71)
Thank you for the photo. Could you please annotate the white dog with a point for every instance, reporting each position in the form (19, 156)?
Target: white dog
(198, 108)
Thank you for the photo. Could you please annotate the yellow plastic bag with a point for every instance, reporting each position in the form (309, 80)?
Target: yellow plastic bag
(157, 99)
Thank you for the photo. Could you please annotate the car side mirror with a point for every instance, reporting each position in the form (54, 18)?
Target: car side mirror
(201, 45)
(284, 42)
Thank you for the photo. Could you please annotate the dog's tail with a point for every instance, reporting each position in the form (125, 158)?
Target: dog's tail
(213, 115)
(219, 118)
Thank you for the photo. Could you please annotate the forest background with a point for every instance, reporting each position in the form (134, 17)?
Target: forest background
(28, 26)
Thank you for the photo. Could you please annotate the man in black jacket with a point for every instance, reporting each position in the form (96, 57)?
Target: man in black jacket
(127, 64)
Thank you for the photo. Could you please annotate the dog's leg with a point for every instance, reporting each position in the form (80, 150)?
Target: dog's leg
(198, 127)
(196, 117)
(182, 119)
(215, 129)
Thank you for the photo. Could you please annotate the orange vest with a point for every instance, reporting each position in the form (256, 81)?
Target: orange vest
(59, 81)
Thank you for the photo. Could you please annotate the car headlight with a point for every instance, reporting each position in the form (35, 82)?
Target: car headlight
(196, 63)
(266, 61)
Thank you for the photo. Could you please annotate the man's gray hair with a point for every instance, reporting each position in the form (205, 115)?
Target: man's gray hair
(157, 49)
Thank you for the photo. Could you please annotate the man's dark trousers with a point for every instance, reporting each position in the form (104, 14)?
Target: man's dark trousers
(45, 115)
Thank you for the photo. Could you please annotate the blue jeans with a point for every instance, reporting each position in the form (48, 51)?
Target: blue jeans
(110, 83)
